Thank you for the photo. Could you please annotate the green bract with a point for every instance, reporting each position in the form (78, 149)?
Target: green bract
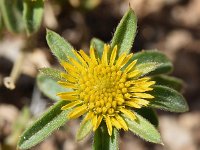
(84, 130)
(152, 63)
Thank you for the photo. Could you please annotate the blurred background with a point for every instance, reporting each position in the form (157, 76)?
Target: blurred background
(171, 26)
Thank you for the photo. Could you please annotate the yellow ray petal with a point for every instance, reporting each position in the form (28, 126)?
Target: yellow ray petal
(140, 101)
(68, 77)
(70, 105)
(67, 84)
(128, 96)
(84, 56)
(78, 111)
(130, 66)
(121, 122)
(113, 55)
(134, 73)
(141, 80)
(109, 125)
(148, 84)
(120, 59)
(139, 89)
(69, 96)
(76, 64)
(104, 59)
(145, 85)
(68, 67)
(128, 113)
(92, 55)
(74, 74)
(88, 116)
(67, 93)
(115, 123)
(80, 58)
(132, 104)
(99, 119)
(126, 59)
(142, 95)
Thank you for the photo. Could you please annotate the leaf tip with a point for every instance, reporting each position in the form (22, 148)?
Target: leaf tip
(40, 70)
(129, 4)
(161, 141)
(48, 31)
(131, 10)
(186, 109)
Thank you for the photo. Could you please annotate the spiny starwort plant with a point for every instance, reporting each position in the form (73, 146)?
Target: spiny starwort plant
(110, 89)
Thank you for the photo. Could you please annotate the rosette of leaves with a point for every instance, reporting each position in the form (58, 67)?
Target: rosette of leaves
(150, 63)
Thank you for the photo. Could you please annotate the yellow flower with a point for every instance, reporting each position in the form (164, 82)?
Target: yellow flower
(104, 88)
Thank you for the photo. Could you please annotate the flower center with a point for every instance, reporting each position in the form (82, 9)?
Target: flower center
(103, 88)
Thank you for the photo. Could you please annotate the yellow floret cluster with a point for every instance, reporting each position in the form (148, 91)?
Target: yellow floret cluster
(104, 88)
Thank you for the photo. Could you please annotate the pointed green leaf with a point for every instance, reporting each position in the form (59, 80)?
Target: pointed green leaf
(98, 45)
(32, 15)
(152, 62)
(51, 73)
(11, 15)
(102, 140)
(84, 129)
(125, 32)
(44, 126)
(59, 47)
(172, 82)
(149, 114)
(50, 87)
(143, 129)
(167, 99)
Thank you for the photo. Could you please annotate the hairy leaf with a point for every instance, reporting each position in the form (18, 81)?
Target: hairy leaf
(59, 47)
(125, 32)
(143, 129)
(51, 73)
(172, 82)
(44, 126)
(149, 114)
(50, 87)
(152, 62)
(84, 129)
(168, 99)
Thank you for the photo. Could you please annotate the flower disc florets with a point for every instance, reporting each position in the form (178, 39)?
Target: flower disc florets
(104, 88)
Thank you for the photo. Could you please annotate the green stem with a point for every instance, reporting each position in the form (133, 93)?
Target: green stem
(10, 81)
(102, 140)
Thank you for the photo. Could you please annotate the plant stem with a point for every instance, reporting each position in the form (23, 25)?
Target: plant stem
(10, 81)
(102, 140)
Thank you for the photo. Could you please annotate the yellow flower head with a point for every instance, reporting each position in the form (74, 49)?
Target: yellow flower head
(104, 88)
